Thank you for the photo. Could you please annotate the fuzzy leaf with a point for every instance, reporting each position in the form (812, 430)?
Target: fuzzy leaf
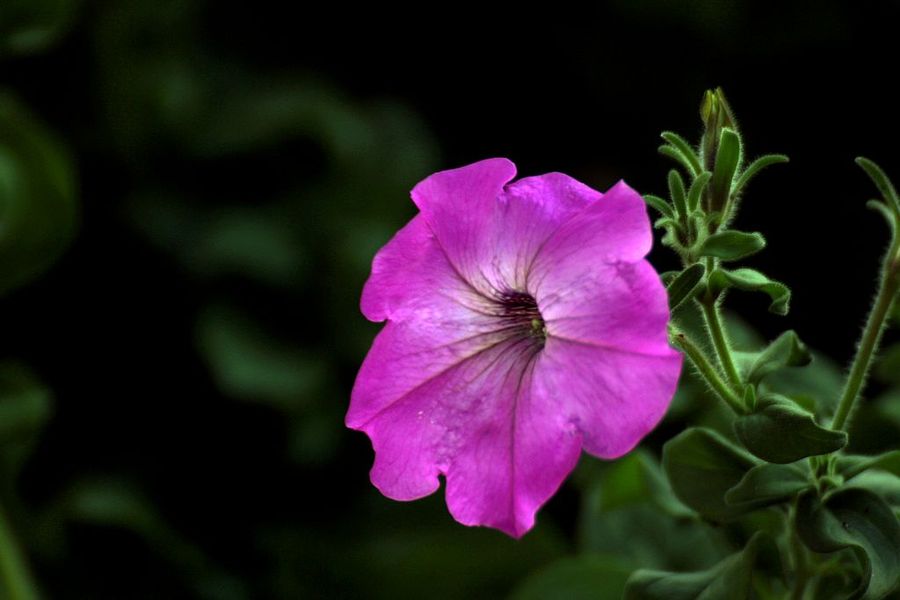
(754, 281)
(786, 351)
(768, 484)
(702, 466)
(781, 432)
(728, 158)
(858, 519)
(849, 466)
(696, 190)
(732, 245)
(661, 206)
(676, 191)
(689, 154)
(730, 579)
(881, 181)
(684, 286)
(755, 167)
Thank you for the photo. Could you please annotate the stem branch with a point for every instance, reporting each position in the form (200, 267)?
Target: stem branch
(868, 344)
(708, 371)
(720, 342)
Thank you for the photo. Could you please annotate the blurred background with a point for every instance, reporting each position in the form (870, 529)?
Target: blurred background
(191, 193)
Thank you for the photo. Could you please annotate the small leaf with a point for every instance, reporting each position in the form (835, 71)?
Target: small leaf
(729, 579)
(732, 245)
(858, 519)
(768, 484)
(786, 351)
(677, 156)
(680, 144)
(696, 191)
(752, 280)
(881, 181)
(850, 465)
(684, 286)
(676, 191)
(755, 167)
(781, 432)
(728, 158)
(702, 466)
(885, 211)
(661, 206)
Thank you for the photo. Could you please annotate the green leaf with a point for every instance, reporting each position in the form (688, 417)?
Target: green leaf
(677, 156)
(732, 245)
(850, 465)
(786, 351)
(753, 281)
(755, 167)
(781, 432)
(884, 210)
(575, 578)
(730, 579)
(37, 196)
(676, 191)
(768, 484)
(883, 483)
(702, 466)
(684, 286)
(661, 206)
(881, 181)
(696, 191)
(728, 158)
(680, 144)
(858, 519)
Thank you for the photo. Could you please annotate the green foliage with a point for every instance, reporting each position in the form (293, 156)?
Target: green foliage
(732, 245)
(768, 484)
(685, 285)
(731, 579)
(753, 281)
(786, 351)
(779, 431)
(860, 520)
(702, 466)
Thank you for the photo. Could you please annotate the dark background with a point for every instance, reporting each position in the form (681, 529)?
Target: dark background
(238, 167)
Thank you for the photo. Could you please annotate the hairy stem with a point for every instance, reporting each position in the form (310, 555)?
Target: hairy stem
(707, 371)
(871, 337)
(14, 574)
(720, 341)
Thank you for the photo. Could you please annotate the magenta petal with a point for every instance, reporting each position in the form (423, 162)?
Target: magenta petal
(490, 231)
(613, 397)
(523, 324)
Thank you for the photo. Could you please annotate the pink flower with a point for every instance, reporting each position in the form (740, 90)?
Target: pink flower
(523, 324)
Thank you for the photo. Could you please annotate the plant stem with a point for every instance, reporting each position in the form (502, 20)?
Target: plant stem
(14, 574)
(708, 371)
(720, 341)
(868, 344)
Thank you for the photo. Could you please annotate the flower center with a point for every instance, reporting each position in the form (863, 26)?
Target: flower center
(520, 311)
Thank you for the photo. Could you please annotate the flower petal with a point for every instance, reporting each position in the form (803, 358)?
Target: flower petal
(491, 232)
(613, 397)
(619, 305)
(503, 453)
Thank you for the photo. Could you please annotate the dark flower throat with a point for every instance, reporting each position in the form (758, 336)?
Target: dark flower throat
(520, 311)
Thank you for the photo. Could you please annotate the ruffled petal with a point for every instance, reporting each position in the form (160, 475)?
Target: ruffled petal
(611, 396)
(491, 231)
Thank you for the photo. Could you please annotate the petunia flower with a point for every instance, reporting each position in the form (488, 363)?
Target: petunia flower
(523, 325)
